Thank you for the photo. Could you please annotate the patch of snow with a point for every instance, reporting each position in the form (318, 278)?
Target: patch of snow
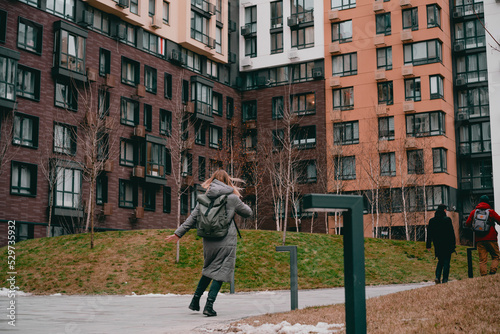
(286, 328)
(57, 294)
(153, 295)
(5, 292)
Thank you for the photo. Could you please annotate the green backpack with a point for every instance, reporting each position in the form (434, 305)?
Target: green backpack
(212, 221)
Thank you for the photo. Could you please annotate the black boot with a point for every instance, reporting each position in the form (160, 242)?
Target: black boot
(195, 303)
(208, 310)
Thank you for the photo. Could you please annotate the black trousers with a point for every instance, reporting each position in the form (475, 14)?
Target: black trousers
(214, 288)
(443, 266)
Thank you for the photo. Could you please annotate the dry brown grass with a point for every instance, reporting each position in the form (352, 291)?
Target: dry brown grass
(467, 306)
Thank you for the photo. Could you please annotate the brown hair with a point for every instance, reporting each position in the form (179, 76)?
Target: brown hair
(223, 177)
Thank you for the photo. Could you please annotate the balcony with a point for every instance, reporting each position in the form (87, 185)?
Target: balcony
(206, 7)
(295, 20)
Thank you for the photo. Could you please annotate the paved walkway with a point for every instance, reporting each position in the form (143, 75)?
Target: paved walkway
(157, 314)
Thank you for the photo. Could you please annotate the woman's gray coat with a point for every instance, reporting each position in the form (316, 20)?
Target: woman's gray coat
(219, 254)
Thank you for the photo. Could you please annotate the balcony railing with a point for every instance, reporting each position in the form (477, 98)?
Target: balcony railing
(302, 17)
(469, 9)
(204, 6)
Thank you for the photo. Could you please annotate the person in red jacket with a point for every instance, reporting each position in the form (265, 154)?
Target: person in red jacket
(486, 242)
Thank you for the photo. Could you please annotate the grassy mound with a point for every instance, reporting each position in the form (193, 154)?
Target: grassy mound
(123, 262)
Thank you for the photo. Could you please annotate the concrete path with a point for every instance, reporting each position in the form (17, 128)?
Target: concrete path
(157, 314)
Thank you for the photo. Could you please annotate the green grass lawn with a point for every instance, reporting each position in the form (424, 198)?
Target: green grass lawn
(123, 262)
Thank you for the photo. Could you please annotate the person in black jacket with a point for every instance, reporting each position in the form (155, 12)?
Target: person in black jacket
(440, 232)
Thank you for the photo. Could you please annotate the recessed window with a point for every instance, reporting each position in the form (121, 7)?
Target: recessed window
(104, 62)
(346, 133)
(28, 83)
(167, 90)
(166, 12)
(29, 36)
(436, 87)
(343, 99)
(127, 194)
(101, 194)
(345, 168)
(200, 134)
(202, 167)
(3, 25)
(249, 110)
(101, 20)
(304, 171)
(167, 199)
(388, 164)
(304, 137)
(129, 112)
(473, 67)
(215, 137)
(202, 95)
(386, 128)
(303, 104)
(384, 58)
(383, 23)
(186, 164)
(251, 25)
(229, 107)
(103, 100)
(412, 89)
(303, 38)
(25, 130)
(152, 9)
(165, 122)
(300, 72)
(149, 198)
(278, 139)
(127, 153)
(66, 95)
(278, 107)
(23, 179)
(439, 160)
(342, 32)
(65, 139)
(131, 71)
(217, 104)
(155, 157)
(385, 95)
(148, 117)
(150, 79)
(7, 78)
(345, 65)
(134, 6)
(150, 42)
(68, 190)
(415, 159)
(410, 18)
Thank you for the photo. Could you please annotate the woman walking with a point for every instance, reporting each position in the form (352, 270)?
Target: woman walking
(441, 233)
(219, 254)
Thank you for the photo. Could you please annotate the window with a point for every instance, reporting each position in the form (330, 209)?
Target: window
(303, 104)
(343, 99)
(131, 71)
(148, 117)
(425, 124)
(66, 95)
(303, 37)
(388, 164)
(276, 42)
(150, 43)
(217, 104)
(475, 138)
(165, 122)
(383, 23)
(167, 199)
(345, 65)
(127, 194)
(345, 168)
(3, 25)
(25, 130)
(278, 139)
(202, 168)
(103, 103)
(279, 75)
(101, 194)
(212, 69)
(104, 62)
(276, 26)
(302, 12)
(342, 32)
(193, 60)
(385, 95)
(150, 79)
(199, 27)
(101, 21)
(251, 24)
(7, 78)
(202, 95)
(166, 12)
(168, 86)
(249, 110)
(186, 164)
(28, 83)
(346, 133)
(155, 157)
(127, 153)
(229, 107)
(250, 141)
(343, 4)
(474, 102)
(184, 203)
(301, 72)
(436, 195)
(305, 171)
(130, 34)
(29, 36)
(278, 105)
(27, 231)
(386, 128)
(477, 175)
(433, 16)
(472, 68)
(64, 138)
(69, 46)
(68, 188)
(218, 39)
(134, 6)
(23, 179)
(415, 160)
(151, 8)
(410, 18)
(439, 160)
(304, 137)
(168, 162)
(384, 58)
(470, 34)
(185, 91)
(64, 9)
(215, 137)
(129, 112)
(421, 53)
(436, 86)
(412, 89)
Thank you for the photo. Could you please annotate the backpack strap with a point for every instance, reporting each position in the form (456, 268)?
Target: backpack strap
(237, 229)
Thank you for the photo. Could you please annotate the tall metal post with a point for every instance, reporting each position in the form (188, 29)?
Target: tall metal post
(294, 285)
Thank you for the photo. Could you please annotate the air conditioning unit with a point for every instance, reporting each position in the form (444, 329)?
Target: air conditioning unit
(108, 166)
(140, 91)
(139, 212)
(245, 62)
(379, 40)
(156, 23)
(139, 131)
(91, 74)
(246, 30)
(87, 18)
(404, 3)
(176, 57)
(382, 110)
(317, 73)
(457, 13)
(293, 21)
(138, 171)
(334, 48)
(408, 106)
(211, 43)
(293, 54)
(107, 209)
(462, 116)
(406, 35)
(411, 143)
(110, 81)
(407, 70)
(211, 8)
(333, 15)
(378, 6)
(380, 75)
(121, 31)
(261, 81)
(460, 81)
(123, 3)
(189, 107)
(458, 47)
(335, 81)
(336, 116)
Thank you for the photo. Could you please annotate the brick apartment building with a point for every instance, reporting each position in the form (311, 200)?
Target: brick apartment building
(388, 100)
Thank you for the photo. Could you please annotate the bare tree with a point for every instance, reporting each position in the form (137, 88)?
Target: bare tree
(8, 135)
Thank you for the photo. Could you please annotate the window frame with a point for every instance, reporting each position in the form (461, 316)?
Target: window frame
(38, 38)
(423, 118)
(436, 92)
(348, 68)
(387, 56)
(336, 31)
(165, 122)
(433, 20)
(296, 100)
(17, 188)
(413, 18)
(123, 200)
(65, 95)
(346, 133)
(150, 79)
(18, 131)
(126, 73)
(415, 161)
(439, 160)
(389, 133)
(68, 146)
(215, 132)
(385, 92)
(383, 25)
(124, 119)
(340, 96)
(413, 86)
(347, 172)
(387, 159)
(409, 51)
